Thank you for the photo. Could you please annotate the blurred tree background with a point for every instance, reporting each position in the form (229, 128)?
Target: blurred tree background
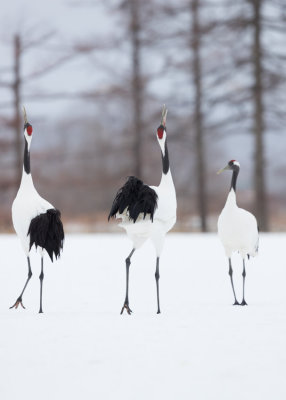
(93, 77)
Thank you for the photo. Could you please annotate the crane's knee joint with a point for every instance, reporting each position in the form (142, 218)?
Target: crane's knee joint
(30, 274)
(244, 273)
(128, 262)
(157, 275)
(41, 276)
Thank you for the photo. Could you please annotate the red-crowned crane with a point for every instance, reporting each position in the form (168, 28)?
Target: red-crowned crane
(35, 220)
(147, 212)
(237, 228)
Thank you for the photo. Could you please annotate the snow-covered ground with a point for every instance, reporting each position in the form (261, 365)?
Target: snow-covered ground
(200, 347)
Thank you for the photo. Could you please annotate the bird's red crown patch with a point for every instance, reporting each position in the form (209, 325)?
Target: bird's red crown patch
(160, 131)
(29, 130)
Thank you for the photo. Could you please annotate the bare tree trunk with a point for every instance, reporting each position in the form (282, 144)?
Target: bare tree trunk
(16, 86)
(261, 205)
(198, 125)
(137, 94)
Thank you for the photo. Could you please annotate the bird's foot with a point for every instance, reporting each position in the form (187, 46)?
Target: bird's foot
(243, 303)
(128, 309)
(158, 312)
(18, 301)
(236, 303)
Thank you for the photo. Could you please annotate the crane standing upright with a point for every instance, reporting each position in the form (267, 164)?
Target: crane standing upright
(147, 211)
(237, 229)
(35, 220)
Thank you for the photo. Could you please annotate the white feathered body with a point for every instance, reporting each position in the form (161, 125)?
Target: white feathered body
(237, 229)
(27, 205)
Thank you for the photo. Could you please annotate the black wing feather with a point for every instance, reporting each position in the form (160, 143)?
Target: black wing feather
(46, 231)
(137, 198)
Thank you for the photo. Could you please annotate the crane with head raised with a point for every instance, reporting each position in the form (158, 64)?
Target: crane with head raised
(36, 221)
(147, 212)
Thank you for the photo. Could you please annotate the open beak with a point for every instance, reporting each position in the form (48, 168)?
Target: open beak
(223, 169)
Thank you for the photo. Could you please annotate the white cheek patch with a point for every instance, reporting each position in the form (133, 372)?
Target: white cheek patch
(28, 138)
(162, 145)
(236, 163)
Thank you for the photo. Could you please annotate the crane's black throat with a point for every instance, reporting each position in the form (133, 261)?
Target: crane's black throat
(235, 172)
(165, 159)
(27, 166)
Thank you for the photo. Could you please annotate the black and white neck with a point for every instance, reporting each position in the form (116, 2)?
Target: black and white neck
(235, 171)
(165, 159)
(27, 164)
(162, 140)
(26, 175)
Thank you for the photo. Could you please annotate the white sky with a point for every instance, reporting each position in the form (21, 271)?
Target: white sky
(32, 19)
(73, 23)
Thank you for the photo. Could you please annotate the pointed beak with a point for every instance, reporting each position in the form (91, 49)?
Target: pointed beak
(164, 115)
(223, 169)
(25, 115)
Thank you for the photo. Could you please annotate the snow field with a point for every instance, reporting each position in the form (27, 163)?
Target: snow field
(200, 347)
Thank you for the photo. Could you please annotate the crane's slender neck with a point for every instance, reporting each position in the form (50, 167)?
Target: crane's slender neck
(234, 178)
(166, 172)
(231, 199)
(27, 165)
(27, 180)
(165, 160)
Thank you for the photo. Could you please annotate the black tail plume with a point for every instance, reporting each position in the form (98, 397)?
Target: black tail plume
(46, 231)
(137, 198)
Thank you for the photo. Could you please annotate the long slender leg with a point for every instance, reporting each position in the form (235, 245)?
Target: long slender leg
(231, 280)
(126, 301)
(41, 283)
(157, 277)
(19, 300)
(243, 303)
